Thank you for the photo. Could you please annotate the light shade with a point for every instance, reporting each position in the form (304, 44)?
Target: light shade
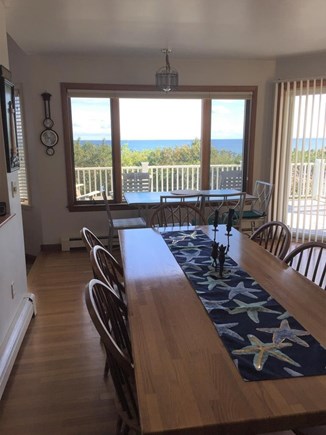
(166, 78)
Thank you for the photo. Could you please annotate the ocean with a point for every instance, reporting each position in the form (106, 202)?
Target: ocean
(234, 145)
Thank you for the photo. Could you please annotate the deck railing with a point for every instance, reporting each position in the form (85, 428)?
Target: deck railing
(309, 179)
(90, 180)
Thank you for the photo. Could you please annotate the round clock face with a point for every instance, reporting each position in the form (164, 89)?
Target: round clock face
(48, 123)
(49, 138)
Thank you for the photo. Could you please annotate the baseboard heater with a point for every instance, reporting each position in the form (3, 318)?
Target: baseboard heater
(13, 340)
(68, 243)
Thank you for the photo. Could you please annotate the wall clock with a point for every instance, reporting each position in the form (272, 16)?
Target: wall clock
(49, 137)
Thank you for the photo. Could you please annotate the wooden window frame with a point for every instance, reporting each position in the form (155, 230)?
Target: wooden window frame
(205, 93)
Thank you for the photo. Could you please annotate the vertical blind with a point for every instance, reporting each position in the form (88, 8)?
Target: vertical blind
(22, 175)
(298, 161)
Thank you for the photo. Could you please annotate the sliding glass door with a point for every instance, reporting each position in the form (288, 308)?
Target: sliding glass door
(299, 164)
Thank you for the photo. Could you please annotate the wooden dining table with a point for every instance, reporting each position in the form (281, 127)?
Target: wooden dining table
(186, 381)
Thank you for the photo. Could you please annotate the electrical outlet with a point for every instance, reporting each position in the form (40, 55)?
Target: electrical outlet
(13, 292)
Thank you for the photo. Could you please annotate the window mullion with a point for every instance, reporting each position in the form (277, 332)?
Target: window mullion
(116, 149)
(205, 142)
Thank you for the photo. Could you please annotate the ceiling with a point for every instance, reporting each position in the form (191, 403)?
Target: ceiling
(192, 28)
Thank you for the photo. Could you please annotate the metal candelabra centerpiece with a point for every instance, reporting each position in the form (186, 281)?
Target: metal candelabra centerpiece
(219, 251)
(229, 222)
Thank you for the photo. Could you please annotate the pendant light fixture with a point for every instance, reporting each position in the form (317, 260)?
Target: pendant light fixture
(166, 77)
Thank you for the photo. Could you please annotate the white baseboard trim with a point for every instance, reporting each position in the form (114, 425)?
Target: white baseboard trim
(12, 342)
(68, 243)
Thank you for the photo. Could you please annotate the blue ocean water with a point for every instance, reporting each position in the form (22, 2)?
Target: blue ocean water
(234, 145)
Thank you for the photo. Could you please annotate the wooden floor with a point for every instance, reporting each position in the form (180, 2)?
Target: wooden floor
(57, 384)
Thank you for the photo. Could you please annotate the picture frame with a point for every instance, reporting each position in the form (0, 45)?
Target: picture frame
(7, 105)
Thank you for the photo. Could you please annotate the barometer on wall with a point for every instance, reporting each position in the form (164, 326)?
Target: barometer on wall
(49, 137)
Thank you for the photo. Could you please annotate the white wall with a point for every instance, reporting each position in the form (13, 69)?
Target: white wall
(12, 254)
(49, 218)
(305, 66)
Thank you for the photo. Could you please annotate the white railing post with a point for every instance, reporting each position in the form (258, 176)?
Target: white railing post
(317, 181)
(144, 166)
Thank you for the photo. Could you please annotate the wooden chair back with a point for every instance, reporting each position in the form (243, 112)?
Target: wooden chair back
(309, 259)
(193, 198)
(89, 239)
(172, 214)
(101, 302)
(107, 269)
(275, 237)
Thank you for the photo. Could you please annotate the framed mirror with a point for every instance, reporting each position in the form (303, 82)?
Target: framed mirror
(7, 104)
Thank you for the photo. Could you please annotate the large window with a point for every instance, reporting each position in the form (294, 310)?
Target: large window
(227, 142)
(138, 139)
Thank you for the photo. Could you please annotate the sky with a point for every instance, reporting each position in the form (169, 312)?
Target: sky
(309, 116)
(144, 119)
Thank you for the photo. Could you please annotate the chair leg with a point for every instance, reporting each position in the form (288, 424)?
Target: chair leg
(106, 369)
(126, 430)
(119, 426)
(110, 239)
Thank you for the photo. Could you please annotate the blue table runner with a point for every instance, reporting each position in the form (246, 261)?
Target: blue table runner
(262, 338)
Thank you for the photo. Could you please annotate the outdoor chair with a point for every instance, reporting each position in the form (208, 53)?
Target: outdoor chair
(231, 180)
(222, 204)
(120, 223)
(275, 237)
(136, 182)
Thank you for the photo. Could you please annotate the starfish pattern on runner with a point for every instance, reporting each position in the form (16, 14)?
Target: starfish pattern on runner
(252, 309)
(263, 350)
(284, 332)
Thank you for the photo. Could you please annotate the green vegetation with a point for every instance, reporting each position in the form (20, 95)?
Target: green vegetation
(307, 156)
(88, 154)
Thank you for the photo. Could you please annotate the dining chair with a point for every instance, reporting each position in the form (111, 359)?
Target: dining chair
(90, 239)
(230, 180)
(107, 269)
(171, 214)
(257, 214)
(275, 237)
(104, 310)
(315, 430)
(283, 432)
(120, 223)
(213, 203)
(309, 259)
(192, 198)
